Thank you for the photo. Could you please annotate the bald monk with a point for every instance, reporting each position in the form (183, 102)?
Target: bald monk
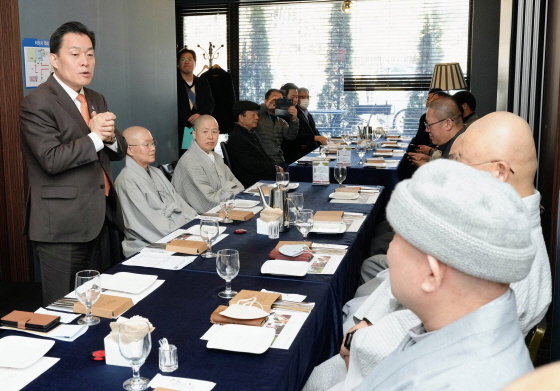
(201, 176)
(151, 206)
(502, 144)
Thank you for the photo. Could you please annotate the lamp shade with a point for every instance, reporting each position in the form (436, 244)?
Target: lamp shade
(448, 77)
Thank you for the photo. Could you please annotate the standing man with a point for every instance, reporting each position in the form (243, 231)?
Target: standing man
(308, 137)
(249, 161)
(69, 138)
(194, 96)
(273, 130)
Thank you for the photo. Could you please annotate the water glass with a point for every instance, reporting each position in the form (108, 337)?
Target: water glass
(282, 179)
(227, 203)
(274, 229)
(304, 222)
(88, 291)
(135, 344)
(361, 151)
(340, 174)
(227, 266)
(209, 230)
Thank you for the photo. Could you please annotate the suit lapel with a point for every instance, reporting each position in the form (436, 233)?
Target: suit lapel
(67, 104)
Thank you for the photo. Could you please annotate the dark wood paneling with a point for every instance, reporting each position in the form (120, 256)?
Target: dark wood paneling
(15, 259)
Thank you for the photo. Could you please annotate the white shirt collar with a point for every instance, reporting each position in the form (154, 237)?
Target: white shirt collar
(73, 94)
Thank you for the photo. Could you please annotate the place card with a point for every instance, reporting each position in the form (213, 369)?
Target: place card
(344, 156)
(238, 215)
(321, 173)
(348, 189)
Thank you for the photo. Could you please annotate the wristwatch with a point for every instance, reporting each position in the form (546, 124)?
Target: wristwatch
(110, 142)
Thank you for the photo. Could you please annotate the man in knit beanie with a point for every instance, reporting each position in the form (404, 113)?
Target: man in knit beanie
(469, 336)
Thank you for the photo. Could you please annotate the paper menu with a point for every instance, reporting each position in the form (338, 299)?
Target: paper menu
(180, 383)
(344, 155)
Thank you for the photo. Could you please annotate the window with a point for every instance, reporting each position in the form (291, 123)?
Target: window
(371, 66)
(201, 30)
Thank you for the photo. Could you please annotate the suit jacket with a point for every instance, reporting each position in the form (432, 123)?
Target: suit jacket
(66, 198)
(199, 180)
(221, 85)
(249, 161)
(204, 102)
(304, 141)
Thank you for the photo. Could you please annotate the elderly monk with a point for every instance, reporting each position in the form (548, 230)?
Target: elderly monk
(388, 319)
(201, 176)
(151, 206)
(469, 336)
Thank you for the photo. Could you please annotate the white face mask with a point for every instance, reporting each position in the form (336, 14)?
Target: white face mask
(304, 103)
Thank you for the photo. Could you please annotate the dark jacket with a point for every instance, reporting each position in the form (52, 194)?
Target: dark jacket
(204, 102)
(249, 162)
(304, 141)
(221, 84)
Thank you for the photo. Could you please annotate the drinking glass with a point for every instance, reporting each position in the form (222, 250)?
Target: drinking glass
(227, 266)
(377, 133)
(361, 151)
(340, 173)
(304, 222)
(227, 203)
(282, 179)
(297, 205)
(88, 290)
(209, 230)
(135, 344)
(328, 135)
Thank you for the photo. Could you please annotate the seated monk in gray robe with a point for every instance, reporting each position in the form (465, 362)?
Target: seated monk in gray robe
(151, 206)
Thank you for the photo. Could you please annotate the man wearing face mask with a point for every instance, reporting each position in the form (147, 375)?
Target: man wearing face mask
(308, 137)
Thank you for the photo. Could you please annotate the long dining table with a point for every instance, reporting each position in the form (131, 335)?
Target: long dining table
(357, 174)
(180, 310)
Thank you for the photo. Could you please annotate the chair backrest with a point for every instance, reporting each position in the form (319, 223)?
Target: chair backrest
(168, 169)
(223, 145)
(536, 336)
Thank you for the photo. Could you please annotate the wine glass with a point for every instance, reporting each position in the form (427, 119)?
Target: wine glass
(209, 230)
(378, 132)
(328, 135)
(227, 203)
(361, 151)
(282, 179)
(88, 290)
(135, 344)
(340, 173)
(304, 222)
(297, 202)
(227, 266)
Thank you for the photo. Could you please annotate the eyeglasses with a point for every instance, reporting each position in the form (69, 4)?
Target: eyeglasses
(189, 60)
(427, 125)
(490, 162)
(146, 145)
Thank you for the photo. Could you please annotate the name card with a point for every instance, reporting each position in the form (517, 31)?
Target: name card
(321, 172)
(344, 155)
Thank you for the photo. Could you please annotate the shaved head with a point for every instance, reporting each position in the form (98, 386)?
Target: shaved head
(501, 143)
(135, 133)
(141, 145)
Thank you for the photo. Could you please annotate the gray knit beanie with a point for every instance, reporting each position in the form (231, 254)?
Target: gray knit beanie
(465, 218)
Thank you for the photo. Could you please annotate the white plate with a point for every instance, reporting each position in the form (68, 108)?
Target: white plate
(341, 195)
(21, 352)
(285, 268)
(129, 282)
(240, 338)
(324, 227)
(245, 204)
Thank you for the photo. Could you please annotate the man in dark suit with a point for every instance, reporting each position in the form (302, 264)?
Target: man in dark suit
(194, 96)
(249, 161)
(69, 138)
(308, 137)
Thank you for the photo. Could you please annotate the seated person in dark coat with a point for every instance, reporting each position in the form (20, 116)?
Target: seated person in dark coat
(308, 137)
(249, 161)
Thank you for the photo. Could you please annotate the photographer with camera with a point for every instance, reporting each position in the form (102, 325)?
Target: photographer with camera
(272, 130)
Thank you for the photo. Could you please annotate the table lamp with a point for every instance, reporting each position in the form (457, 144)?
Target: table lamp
(448, 76)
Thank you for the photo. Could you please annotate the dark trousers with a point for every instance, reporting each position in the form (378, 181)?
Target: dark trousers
(61, 261)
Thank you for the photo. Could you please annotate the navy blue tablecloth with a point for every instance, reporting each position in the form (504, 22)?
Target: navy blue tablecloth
(356, 174)
(180, 310)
